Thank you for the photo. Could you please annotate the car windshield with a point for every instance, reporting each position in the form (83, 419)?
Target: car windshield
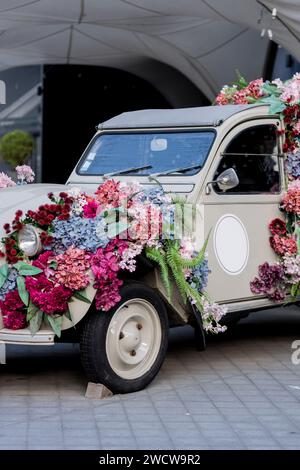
(146, 153)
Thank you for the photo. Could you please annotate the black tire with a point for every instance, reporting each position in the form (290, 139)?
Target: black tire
(93, 342)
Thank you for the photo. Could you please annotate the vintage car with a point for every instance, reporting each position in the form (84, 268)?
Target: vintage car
(225, 159)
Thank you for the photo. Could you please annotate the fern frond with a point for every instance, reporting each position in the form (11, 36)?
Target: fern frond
(155, 255)
(177, 272)
(194, 262)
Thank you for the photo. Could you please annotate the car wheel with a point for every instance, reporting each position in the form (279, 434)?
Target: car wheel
(125, 347)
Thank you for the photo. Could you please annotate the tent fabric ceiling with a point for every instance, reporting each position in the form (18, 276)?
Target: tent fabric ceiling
(205, 39)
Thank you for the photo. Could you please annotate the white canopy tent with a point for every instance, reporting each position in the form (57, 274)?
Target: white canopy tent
(206, 40)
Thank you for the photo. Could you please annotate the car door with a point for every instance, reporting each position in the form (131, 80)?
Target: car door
(239, 217)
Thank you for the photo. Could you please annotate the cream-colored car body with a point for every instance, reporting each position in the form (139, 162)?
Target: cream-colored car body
(239, 239)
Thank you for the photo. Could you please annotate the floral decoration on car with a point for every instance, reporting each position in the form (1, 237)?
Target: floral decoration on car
(75, 240)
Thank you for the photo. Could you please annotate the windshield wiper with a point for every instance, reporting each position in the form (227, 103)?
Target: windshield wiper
(177, 170)
(127, 170)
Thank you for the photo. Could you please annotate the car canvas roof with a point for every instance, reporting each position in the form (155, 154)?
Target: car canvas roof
(183, 117)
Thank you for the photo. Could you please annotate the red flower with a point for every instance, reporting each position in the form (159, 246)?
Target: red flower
(43, 260)
(277, 227)
(47, 296)
(13, 313)
(13, 254)
(46, 239)
(46, 213)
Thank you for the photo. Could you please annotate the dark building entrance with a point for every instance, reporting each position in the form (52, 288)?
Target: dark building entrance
(75, 100)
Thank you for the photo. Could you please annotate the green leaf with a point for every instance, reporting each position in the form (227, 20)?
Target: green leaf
(36, 322)
(68, 315)
(240, 81)
(78, 295)
(116, 228)
(276, 106)
(272, 89)
(24, 296)
(193, 262)
(294, 289)
(55, 323)
(31, 311)
(4, 270)
(3, 274)
(26, 269)
(159, 257)
(30, 272)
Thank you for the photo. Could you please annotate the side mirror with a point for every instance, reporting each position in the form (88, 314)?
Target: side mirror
(228, 179)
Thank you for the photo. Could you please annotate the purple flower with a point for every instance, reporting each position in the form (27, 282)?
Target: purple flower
(292, 165)
(271, 281)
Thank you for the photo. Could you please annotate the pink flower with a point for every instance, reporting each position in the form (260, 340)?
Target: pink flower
(291, 90)
(105, 266)
(72, 266)
(43, 262)
(108, 193)
(234, 95)
(90, 209)
(146, 222)
(128, 261)
(226, 95)
(254, 89)
(6, 181)
(187, 248)
(283, 245)
(291, 199)
(108, 295)
(241, 96)
(25, 173)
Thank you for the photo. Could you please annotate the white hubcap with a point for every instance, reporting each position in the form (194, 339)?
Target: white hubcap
(133, 338)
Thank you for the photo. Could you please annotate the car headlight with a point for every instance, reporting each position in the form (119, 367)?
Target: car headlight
(29, 240)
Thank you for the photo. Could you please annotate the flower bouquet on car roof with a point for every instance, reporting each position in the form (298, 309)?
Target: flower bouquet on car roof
(54, 252)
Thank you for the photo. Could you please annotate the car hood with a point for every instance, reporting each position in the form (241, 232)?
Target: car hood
(24, 197)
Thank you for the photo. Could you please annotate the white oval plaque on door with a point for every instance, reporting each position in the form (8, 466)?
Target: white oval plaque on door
(231, 244)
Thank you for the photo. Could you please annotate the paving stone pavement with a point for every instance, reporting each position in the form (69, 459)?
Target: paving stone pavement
(243, 392)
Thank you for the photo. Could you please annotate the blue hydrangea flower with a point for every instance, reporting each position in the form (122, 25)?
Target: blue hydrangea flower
(86, 234)
(154, 195)
(9, 284)
(199, 276)
(292, 164)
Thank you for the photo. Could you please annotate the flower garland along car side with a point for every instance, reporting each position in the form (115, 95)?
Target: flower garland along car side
(281, 279)
(91, 240)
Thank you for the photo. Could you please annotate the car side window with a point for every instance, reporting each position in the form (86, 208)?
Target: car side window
(253, 154)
